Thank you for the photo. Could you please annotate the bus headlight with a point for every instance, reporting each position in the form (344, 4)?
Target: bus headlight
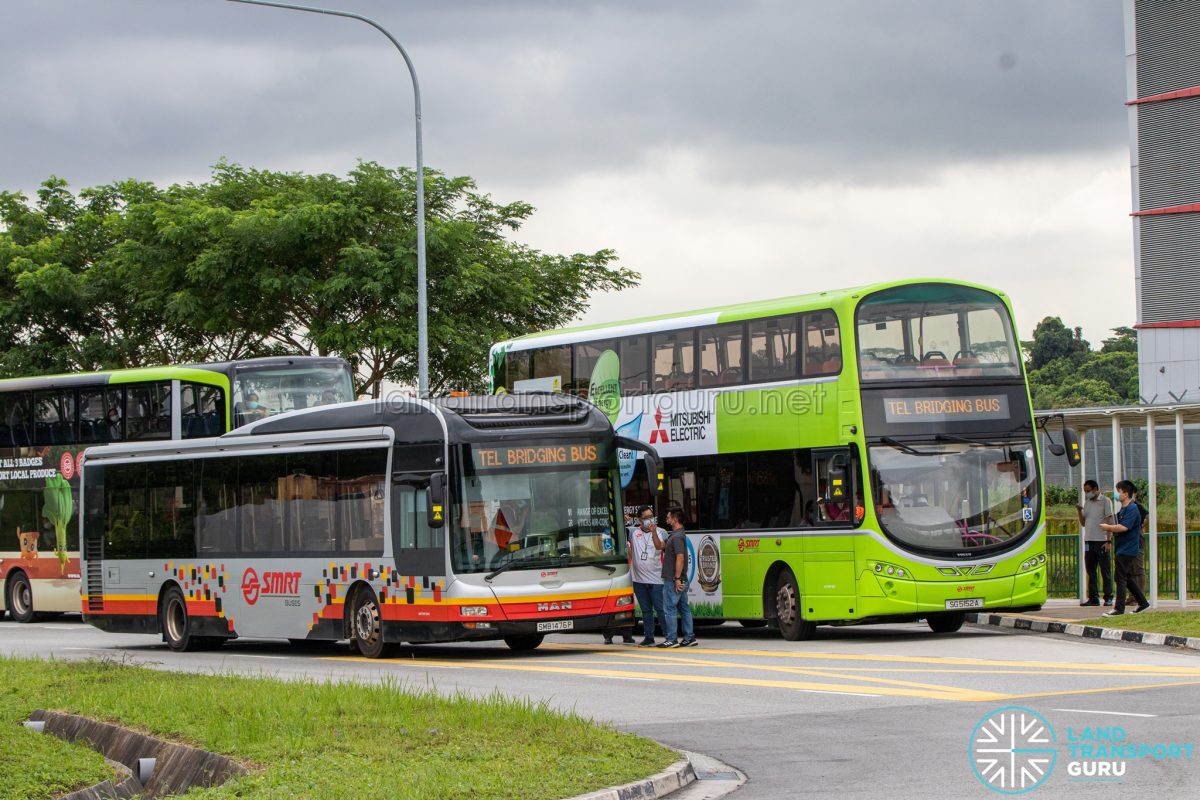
(473, 611)
(627, 600)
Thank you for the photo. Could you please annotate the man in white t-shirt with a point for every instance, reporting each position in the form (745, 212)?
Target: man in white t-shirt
(645, 558)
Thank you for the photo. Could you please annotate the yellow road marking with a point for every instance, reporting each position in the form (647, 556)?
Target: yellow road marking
(1104, 689)
(942, 693)
(942, 660)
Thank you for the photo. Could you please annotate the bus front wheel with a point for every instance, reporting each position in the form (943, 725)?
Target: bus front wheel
(525, 642)
(946, 623)
(792, 624)
(367, 624)
(20, 598)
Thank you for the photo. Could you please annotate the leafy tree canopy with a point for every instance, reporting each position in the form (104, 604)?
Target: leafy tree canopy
(1064, 371)
(254, 262)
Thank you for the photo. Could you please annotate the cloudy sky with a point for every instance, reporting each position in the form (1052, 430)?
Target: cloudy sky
(726, 150)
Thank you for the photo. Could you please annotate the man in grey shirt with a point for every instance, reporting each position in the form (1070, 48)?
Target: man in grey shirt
(1096, 509)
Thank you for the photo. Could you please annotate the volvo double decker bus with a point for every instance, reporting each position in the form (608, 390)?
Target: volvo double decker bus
(46, 422)
(378, 522)
(865, 455)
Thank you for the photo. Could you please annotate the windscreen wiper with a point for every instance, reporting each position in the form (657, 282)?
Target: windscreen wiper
(902, 447)
(507, 565)
(950, 437)
(611, 569)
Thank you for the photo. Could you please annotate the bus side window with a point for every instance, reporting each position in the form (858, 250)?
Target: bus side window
(309, 494)
(361, 484)
(822, 345)
(148, 411)
(839, 497)
(216, 507)
(260, 514)
(773, 349)
(172, 511)
(203, 410)
(674, 358)
(127, 510)
(635, 371)
(54, 418)
(16, 421)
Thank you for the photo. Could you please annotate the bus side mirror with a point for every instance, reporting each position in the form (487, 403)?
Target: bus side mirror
(435, 499)
(654, 470)
(1071, 441)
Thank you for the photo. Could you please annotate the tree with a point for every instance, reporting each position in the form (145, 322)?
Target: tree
(255, 262)
(1052, 340)
(1064, 372)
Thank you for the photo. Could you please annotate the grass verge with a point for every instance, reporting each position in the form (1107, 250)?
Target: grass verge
(34, 765)
(1177, 623)
(326, 740)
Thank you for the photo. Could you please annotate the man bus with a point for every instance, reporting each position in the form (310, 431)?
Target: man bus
(865, 455)
(379, 522)
(46, 422)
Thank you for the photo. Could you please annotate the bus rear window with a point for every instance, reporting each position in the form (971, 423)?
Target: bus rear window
(935, 332)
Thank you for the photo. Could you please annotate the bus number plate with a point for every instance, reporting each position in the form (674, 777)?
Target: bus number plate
(966, 602)
(561, 625)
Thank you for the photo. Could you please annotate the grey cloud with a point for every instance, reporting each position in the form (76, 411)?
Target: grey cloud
(533, 92)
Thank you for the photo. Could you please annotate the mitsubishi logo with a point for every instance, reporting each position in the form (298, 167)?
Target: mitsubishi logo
(659, 433)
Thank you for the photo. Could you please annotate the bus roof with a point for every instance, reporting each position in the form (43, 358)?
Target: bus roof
(717, 314)
(69, 380)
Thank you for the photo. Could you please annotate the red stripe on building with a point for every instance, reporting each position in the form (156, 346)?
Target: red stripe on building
(1187, 208)
(1178, 94)
(1183, 323)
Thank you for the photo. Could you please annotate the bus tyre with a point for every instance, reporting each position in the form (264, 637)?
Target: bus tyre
(792, 624)
(525, 642)
(20, 597)
(366, 625)
(946, 623)
(176, 625)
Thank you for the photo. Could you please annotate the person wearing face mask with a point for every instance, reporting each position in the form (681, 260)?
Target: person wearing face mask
(1096, 510)
(645, 546)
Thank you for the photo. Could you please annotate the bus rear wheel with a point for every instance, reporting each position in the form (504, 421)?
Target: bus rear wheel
(20, 598)
(525, 642)
(946, 623)
(366, 624)
(176, 625)
(792, 624)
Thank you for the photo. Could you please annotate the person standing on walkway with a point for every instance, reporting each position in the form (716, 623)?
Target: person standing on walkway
(630, 526)
(1127, 536)
(675, 584)
(645, 556)
(1097, 542)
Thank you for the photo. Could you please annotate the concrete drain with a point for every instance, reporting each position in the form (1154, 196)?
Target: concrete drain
(151, 767)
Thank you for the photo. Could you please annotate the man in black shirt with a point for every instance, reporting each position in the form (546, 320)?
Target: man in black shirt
(675, 583)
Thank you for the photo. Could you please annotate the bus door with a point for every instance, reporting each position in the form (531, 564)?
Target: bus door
(417, 548)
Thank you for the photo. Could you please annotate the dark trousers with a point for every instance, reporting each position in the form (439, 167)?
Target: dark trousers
(1094, 555)
(1127, 577)
(649, 600)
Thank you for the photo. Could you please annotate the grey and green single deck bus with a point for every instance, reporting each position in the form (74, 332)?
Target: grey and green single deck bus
(864, 455)
(376, 521)
(46, 422)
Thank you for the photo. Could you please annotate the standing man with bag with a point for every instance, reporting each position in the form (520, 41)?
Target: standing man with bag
(1096, 509)
(1127, 532)
(645, 556)
(675, 584)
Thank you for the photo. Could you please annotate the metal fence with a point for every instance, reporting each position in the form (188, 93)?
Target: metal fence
(1062, 564)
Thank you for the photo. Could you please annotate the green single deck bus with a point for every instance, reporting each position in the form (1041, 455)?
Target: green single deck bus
(46, 422)
(865, 455)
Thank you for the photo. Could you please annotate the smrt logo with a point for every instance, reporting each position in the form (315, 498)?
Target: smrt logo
(748, 544)
(277, 584)
(967, 587)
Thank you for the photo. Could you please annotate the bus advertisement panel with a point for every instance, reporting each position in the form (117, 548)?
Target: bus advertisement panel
(853, 456)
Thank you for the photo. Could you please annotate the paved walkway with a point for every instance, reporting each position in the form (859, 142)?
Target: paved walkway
(1070, 610)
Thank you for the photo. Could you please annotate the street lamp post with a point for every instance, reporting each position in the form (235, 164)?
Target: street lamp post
(422, 300)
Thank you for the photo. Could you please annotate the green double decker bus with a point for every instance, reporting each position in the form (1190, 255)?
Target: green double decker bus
(845, 457)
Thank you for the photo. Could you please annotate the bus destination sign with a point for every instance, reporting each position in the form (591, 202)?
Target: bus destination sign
(945, 409)
(581, 454)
